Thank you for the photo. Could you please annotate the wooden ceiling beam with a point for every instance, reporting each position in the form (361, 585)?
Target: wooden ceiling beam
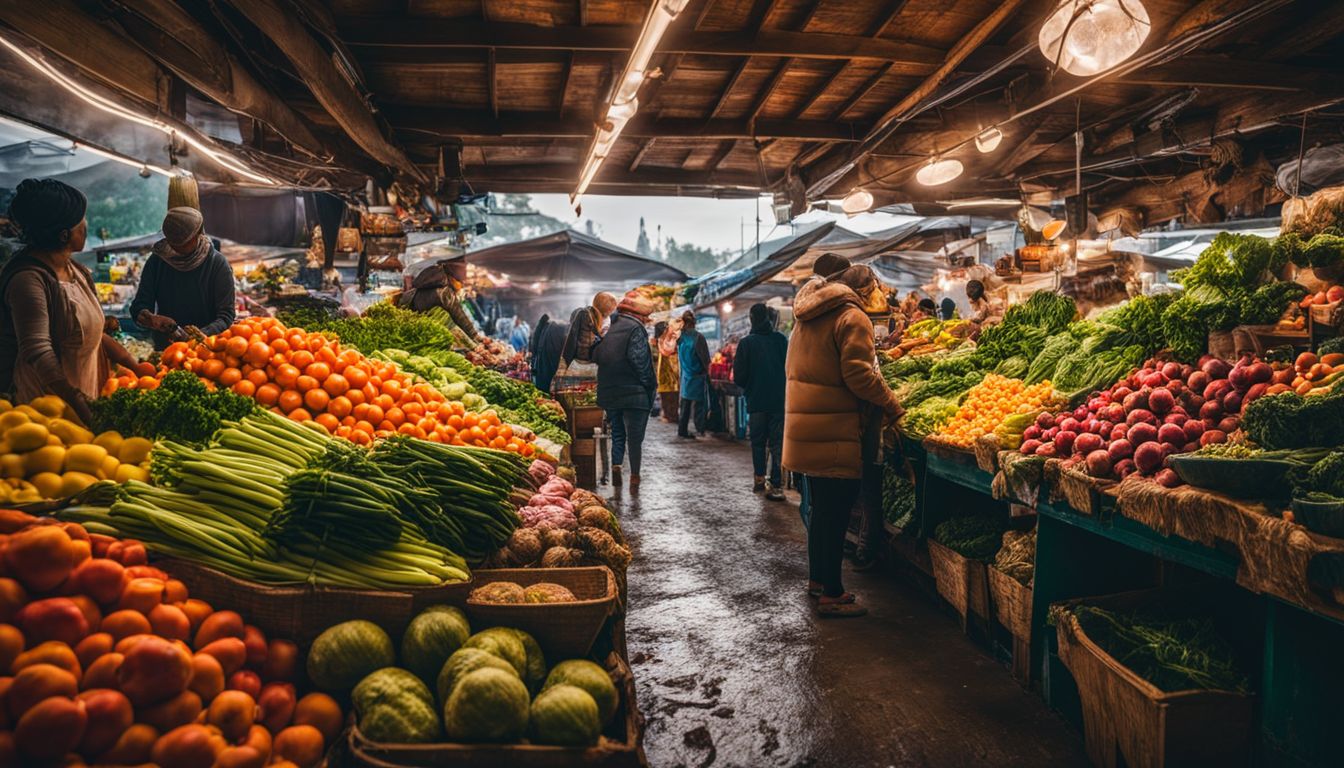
(639, 156)
(725, 149)
(1307, 33)
(468, 124)
(1210, 71)
(492, 82)
(771, 86)
(862, 92)
(564, 89)
(612, 175)
(336, 95)
(973, 39)
(889, 14)
(728, 89)
(403, 33)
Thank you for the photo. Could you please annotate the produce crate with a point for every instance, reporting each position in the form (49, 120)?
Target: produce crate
(620, 745)
(961, 581)
(1012, 607)
(584, 419)
(583, 453)
(302, 612)
(1128, 721)
(943, 449)
(564, 630)
(987, 453)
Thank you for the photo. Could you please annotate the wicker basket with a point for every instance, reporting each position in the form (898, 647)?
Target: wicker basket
(1129, 721)
(1012, 607)
(564, 630)
(1084, 493)
(619, 747)
(961, 581)
(987, 449)
(301, 613)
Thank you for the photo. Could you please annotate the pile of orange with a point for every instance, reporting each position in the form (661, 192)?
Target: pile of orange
(307, 376)
(989, 403)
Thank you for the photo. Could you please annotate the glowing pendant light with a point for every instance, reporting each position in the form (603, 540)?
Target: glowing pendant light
(938, 172)
(988, 140)
(857, 201)
(1088, 37)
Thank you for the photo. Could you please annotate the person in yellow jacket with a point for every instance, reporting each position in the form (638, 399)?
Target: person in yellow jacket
(668, 373)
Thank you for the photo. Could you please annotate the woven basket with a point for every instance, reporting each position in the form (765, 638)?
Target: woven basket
(940, 447)
(961, 581)
(1012, 607)
(1086, 494)
(1129, 721)
(564, 630)
(619, 747)
(301, 613)
(987, 449)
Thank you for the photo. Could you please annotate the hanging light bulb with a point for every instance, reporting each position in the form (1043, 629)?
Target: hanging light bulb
(1088, 37)
(938, 172)
(988, 140)
(857, 201)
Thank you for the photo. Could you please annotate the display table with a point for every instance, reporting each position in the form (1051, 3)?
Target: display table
(1083, 555)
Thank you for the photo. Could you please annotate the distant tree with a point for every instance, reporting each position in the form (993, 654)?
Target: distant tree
(694, 259)
(642, 244)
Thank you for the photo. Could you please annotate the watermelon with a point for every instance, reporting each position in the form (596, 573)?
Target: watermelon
(347, 653)
(565, 715)
(488, 705)
(463, 662)
(407, 721)
(591, 678)
(502, 642)
(431, 638)
(534, 673)
(389, 684)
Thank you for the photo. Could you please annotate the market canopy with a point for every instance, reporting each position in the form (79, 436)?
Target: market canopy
(569, 257)
(809, 99)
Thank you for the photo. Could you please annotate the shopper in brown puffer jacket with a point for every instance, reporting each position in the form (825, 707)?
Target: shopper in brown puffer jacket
(832, 375)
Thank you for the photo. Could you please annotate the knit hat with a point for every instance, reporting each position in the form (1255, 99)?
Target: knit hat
(760, 313)
(181, 224)
(828, 264)
(44, 208)
(637, 304)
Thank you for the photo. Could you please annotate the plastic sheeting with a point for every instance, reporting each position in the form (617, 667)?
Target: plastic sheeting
(570, 257)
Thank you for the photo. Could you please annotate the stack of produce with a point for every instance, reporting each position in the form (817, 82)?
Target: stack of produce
(1160, 410)
(276, 502)
(1024, 330)
(1233, 282)
(991, 408)
(44, 454)
(110, 661)
(898, 496)
(565, 527)
(975, 537)
(180, 407)
(307, 376)
(1309, 374)
(494, 686)
(512, 593)
(929, 336)
(1174, 654)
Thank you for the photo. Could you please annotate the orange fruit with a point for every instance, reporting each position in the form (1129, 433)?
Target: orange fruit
(355, 396)
(328, 422)
(339, 406)
(334, 383)
(236, 346)
(298, 414)
(319, 371)
(211, 369)
(301, 358)
(396, 416)
(244, 387)
(258, 377)
(258, 353)
(392, 388)
(286, 375)
(316, 399)
(230, 376)
(306, 383)
(363, 426)
(357, 376)
(289, 400)
(268, 394)
(374, 414)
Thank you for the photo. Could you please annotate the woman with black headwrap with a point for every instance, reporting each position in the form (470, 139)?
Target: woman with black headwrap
(51, 324)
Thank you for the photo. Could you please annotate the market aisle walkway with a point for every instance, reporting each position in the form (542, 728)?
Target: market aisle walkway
(733, 669)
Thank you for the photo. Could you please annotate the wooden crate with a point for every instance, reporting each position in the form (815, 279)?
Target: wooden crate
(961, 581)
(1128, 721)
(621, 745)
(1012, 608)
(584, 419)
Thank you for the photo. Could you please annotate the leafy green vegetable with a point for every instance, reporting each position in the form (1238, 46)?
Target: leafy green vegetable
(1232, 263)
(924, 419)
(898, 497)
(1289, 420)
(1014, 367)
(1325, 476)
(1172, 653)
(1331, 346)
(182, 408)
(974, 536)
(1267, 303)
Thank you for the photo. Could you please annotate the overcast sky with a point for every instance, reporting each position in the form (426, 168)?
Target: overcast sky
(718, 224)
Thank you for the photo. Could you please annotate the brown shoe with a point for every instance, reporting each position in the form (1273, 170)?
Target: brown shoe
(844, 606)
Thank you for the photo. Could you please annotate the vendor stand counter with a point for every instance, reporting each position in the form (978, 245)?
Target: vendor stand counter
(732, 405)
(1300, 683)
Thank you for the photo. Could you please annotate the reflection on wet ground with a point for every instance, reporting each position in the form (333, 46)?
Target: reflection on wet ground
(734, 670)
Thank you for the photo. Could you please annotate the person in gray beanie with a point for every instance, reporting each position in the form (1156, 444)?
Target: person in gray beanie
(185, 282)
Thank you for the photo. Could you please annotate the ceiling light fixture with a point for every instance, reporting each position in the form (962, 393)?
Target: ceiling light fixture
(100, 102)
(988, 140)
(1087, 37)
(624, 102)
(938, 172)
(857, 201)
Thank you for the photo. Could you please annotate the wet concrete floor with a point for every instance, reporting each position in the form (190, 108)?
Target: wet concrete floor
(733, 669)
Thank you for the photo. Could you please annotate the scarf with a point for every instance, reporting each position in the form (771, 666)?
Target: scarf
(183, 262)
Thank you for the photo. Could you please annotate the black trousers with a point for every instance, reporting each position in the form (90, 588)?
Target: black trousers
(766, 429)
(684, 416)
(832, 499)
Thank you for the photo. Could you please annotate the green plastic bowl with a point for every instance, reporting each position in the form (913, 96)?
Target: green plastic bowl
(1323, 517)
(1242, 478)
